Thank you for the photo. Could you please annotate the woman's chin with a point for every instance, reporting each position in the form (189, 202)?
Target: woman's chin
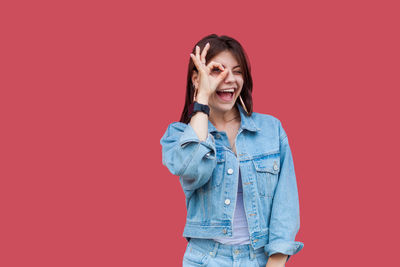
(222, 106)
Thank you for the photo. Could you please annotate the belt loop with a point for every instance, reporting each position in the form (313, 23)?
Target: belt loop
(213, 253)
(252, 255)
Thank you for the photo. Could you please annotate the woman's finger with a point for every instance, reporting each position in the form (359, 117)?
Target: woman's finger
(198, 54)
(212, 65)
(222, 76)
(204, 53)
(196, 63)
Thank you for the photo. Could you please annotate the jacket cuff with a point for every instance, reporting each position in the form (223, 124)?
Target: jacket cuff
(189, 136)
(285, 247)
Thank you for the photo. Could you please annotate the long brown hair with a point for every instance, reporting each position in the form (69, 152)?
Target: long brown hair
(219, 44)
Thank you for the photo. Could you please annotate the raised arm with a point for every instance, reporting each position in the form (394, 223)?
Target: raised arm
(186, 156)
(188, 150)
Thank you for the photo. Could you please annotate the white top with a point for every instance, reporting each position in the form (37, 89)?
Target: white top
(240, 229)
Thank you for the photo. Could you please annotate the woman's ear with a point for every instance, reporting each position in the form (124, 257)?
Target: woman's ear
(195, 79)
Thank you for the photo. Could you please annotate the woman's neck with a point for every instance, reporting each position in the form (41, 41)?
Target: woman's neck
(221, 119)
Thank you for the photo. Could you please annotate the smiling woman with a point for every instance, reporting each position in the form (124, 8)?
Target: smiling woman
(226, 60)
(235, 165)
(233, 80)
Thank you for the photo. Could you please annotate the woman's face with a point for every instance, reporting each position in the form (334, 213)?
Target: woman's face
(224, 101)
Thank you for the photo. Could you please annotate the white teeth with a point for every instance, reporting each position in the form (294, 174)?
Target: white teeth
(227, 90)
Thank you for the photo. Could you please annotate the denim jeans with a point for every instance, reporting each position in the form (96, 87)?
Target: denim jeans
(207, 252)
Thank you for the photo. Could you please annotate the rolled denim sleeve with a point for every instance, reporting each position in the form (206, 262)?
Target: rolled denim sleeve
(186, 156)
(285, 214)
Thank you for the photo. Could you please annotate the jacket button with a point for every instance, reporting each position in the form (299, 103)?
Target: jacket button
(275, 166)
(230, 171)
(224, 231)
(218, 136)
(227, 201)
(236, 251)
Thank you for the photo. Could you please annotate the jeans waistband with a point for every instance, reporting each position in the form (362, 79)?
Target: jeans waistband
(213, 248)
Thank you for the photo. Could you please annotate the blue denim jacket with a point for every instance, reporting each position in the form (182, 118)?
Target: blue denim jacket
(208, 172)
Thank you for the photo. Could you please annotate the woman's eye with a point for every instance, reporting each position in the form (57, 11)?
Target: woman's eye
(216, 70)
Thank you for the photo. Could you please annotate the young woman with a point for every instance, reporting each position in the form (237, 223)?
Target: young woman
(235, 166)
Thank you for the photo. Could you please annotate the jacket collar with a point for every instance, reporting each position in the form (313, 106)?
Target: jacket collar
(247, 123)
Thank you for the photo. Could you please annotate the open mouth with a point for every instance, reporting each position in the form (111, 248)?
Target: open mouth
(226, 94)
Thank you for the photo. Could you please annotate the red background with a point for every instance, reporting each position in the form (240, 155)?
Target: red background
(89, 87)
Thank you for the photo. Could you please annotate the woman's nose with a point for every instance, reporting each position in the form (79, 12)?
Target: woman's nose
(230, 77)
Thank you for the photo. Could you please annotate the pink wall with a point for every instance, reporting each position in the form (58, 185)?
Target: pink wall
(89, 87)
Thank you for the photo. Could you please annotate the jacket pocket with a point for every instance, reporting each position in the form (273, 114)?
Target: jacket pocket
(219, 170)
(267, 170)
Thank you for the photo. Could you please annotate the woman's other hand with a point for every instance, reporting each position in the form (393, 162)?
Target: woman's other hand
(277, 260)
(207, 82)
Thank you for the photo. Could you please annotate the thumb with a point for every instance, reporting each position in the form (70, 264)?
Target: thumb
(222, 75)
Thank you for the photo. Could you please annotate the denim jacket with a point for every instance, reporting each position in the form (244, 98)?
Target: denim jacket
(208, 173)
